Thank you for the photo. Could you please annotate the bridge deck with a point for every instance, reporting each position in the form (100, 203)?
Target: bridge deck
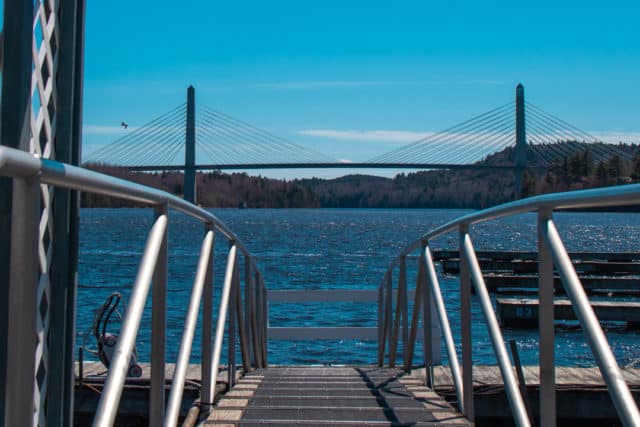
(323, 396)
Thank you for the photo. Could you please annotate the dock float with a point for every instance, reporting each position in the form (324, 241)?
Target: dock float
(523, 313)
(328, 396)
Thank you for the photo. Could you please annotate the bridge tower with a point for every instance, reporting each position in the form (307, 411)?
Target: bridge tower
(521, 141)
(189, 183)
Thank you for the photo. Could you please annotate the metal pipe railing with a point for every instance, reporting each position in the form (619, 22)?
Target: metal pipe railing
(153, 267)
(17, 163)
(551, 251)
(108, 406)
(177, 385)
(438, 300)
(618, 389)
(513, 394)
(222, 317)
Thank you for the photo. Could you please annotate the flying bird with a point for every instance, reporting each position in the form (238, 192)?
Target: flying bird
(124, 125)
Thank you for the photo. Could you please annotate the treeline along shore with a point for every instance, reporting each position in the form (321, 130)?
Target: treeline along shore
(475, 189)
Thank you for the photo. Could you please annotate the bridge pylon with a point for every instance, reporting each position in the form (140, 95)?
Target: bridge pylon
(521, 141)
(189, 182)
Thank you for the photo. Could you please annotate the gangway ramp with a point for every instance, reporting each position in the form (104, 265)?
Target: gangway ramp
(324, 396)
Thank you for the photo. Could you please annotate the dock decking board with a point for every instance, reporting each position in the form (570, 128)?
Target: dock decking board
(334, 395)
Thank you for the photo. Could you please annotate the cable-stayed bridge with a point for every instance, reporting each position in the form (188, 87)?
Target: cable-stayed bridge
(212, 140)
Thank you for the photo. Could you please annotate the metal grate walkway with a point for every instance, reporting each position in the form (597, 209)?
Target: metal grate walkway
(322, 396)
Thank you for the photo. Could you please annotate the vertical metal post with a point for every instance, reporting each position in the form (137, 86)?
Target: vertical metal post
(65, 209)
(389, 311)
(22, 307)
(465, 322)
(427, 319)
(242, 331)
(248, 309)
(231, 330)
(405, 317)
(257, 319)
(206, 396)
(15, 119)
(546, 325)
(258, 316)
(415, 317)
(381, 322)
(189, 184)
(521, 141)
(158, 330)
(265, 323)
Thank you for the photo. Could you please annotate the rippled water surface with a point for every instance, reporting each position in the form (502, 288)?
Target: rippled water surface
(332, 248)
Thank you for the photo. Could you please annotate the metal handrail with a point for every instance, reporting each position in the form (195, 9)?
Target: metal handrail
(26, 167)
(107, 407)
(177, 385)
(19, 163)
(624, 195)
(550, 247)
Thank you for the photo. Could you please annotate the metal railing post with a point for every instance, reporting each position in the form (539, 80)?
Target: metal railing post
(465, 323)
(618, 389)
(436, 293)
(231, 328)
(22, 303)
(381, 322)
(415, 317)
(222, 317)
(510, 383)
(158, 330)
(389, 311)
(546, 325)
(242, 331)
(427, 329)
(265, 321)
(110, 398)
(191, 318)
(257, 303)
(206, 398)
(404, 305)
(248, 310)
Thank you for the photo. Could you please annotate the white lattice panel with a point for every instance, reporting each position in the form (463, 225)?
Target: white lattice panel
(43, 129)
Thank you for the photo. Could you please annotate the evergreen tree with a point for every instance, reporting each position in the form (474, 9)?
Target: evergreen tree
(614, 168)
(601, 174)
(587, 162)
(635, 174)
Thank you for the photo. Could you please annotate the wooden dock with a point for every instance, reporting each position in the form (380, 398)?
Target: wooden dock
(327, 396)
(324, 395)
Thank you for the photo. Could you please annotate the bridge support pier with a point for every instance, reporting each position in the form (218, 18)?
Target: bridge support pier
(521, 142)
(189, 183)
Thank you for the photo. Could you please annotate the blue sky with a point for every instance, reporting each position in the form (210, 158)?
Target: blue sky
(355, 78)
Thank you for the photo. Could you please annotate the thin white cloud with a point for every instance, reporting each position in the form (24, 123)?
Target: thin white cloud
(366, 135)
(325, 84)
(337, 84)
(106, 130)
(615, 137)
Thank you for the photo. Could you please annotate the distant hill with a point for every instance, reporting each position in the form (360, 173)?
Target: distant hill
(555, 167)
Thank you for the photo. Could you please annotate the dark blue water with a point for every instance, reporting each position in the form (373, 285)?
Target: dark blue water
(341, 248)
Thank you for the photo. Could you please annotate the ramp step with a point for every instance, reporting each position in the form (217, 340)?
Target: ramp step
(322, 396)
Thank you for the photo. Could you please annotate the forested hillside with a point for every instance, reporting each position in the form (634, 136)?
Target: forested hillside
(427, 189)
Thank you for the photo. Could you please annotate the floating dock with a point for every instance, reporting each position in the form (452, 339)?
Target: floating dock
(523, 313)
